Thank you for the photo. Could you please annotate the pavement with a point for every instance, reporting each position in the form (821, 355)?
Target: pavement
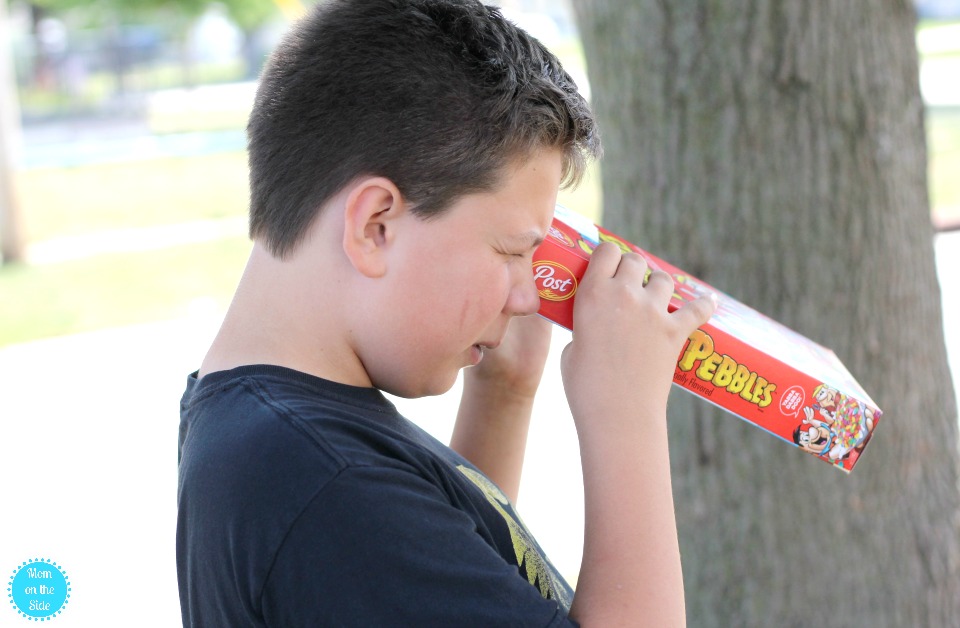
(90, 457)
(139, 239)
(148, 129)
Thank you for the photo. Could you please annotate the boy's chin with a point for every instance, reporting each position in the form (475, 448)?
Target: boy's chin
(436, 385)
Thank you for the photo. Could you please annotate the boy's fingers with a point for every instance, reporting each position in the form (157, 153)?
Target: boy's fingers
(697, 312)
(632, 269)
(608, 260)
(604, 261)
(661, 282)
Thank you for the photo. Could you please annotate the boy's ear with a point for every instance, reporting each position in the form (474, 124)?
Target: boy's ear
(368, 227)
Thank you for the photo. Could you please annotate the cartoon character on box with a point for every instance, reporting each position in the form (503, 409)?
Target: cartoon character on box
(843, 427)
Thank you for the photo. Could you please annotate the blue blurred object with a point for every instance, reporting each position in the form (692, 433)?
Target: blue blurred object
(938, 9)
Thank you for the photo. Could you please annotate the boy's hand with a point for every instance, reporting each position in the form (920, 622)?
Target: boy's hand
(516, 366)
(497, 401)
(625, 343)
(617, 374)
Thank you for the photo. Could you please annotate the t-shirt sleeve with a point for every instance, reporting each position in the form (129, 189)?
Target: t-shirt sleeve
(385, 547)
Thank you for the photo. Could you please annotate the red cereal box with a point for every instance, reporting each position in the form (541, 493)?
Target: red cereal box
(741, 360)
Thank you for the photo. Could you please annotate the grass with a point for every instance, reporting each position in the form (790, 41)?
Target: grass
(943, 144)
(59, 202)
(110, 290)
(104, 290)
(936, 38)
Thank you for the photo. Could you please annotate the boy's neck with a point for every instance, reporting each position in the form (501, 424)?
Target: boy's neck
(264, 326)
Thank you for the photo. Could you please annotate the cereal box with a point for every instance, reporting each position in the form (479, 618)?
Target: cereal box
(741, 360)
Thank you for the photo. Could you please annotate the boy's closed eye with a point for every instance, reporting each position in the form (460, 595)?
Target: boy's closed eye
(522, 246)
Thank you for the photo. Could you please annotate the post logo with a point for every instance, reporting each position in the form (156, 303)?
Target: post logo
(555, 282)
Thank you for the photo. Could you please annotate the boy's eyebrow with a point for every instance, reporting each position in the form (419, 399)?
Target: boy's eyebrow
(526, 240)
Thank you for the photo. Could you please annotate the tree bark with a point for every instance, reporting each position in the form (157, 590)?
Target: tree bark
(776, 150)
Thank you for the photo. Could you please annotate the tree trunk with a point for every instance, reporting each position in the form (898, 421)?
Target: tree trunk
(776, 150)
(11, 238)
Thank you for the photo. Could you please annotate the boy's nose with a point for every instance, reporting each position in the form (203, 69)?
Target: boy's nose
(526, 297)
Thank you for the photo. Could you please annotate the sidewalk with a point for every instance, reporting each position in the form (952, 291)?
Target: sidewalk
(134, 240)
(90, 450)
(144, 134)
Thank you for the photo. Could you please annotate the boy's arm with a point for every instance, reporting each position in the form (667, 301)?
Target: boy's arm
(617, 373)
(494, 416)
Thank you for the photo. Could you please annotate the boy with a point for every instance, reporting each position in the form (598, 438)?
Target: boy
(405, 157)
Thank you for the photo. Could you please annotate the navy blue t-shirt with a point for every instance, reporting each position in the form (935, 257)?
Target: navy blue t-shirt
(303, 502)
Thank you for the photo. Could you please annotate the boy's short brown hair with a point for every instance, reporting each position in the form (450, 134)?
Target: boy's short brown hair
(436, 95)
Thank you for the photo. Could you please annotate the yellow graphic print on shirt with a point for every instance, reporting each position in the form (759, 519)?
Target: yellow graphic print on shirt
(540, 573)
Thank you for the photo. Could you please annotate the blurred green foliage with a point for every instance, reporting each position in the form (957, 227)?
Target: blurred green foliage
(248, 14)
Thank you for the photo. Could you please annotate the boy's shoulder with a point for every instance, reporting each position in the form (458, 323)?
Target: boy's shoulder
(266, 402)
(293, 423)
